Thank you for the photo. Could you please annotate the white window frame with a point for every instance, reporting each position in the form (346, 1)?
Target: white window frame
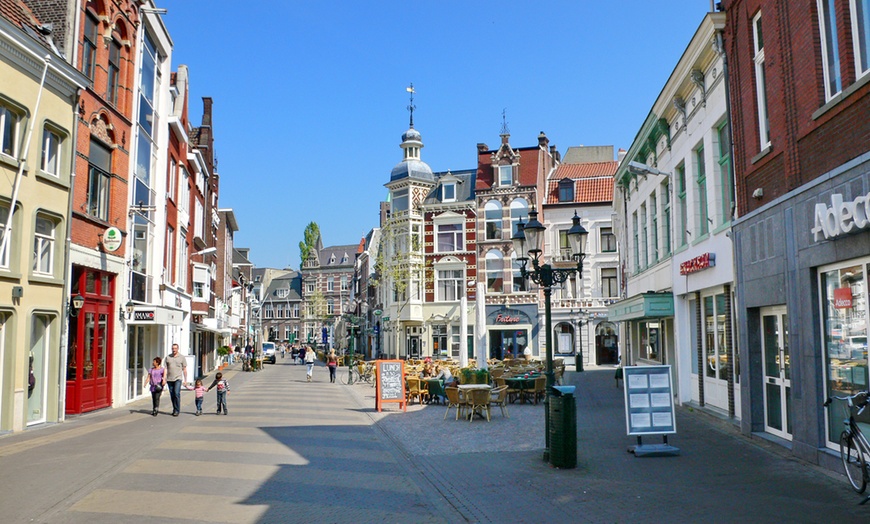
(449, 192)
(169, 271)
(830, 52)
(498, 234)
(449, 279)
(494, 273)
(862, 49)
(5, 247)
(43, 246)
(505, 175)
(519, 210)
(456, 235)
(52, 152)
(10, 131)
(330, 283)
(183, 250)
(760, 84)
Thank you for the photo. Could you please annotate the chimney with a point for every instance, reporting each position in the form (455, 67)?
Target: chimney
(482, 148)
(620, 155)
(543, 140)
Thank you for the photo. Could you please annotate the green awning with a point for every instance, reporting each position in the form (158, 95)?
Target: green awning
(646, 305)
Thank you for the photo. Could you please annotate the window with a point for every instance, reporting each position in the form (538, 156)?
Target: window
(723, 134)
(715, 341)
(330, 283)
(860, 10)
(666, 216)
(650, 341)
(635, 242)
(566, 190)
(114, 72)
(282, 293)
(449, 192)
(519, 283)
(344, 282)
(449, 286)
(644, 237)
(609, 283)
(43, 245)
(449, 237)
(268, 312)
(505, 175)
(169, 258)
(309, 287)
(654, 227)
(279, 310)
(494, 271)
(830, 52)
(171, 178)
(184, 190)
(5, 243)
(9, 129)
(183, 250)
(99, 167)
(760, 83)
(400, 200)
(701, 181)
(50, 152)
(89, 51)
(330, 307)
(608, 240)
(564, 246)
(519, 210)
(201, 282)
(294, 311)
(415, 240)
(492, 213)
(682, 220)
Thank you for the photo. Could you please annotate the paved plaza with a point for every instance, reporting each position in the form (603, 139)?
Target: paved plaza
(291, 451)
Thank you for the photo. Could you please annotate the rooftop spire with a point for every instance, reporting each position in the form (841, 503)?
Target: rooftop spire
(411, 107)
(504, 126)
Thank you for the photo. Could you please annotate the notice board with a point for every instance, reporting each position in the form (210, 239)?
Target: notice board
(390, 383)
(649, 400)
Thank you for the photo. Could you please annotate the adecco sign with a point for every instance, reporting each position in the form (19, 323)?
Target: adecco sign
(841, 217)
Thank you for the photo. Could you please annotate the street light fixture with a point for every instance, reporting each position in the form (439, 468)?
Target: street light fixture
(546, 276)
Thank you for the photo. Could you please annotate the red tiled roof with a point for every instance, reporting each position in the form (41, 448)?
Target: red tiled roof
(593, 182)
(528, 176)
(18, 13)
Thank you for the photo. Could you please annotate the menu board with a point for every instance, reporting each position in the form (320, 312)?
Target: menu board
(649, 400)
(390, 383)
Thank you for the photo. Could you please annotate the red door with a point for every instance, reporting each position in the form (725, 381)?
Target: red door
(89, 365)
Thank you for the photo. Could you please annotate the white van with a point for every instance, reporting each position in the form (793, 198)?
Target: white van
(269, 352)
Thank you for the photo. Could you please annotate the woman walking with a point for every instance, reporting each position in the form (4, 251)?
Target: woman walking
(157, 380)
(332, 364)
(309, 361)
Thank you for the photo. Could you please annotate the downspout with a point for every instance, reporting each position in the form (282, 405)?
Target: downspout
(67, 270)
(22, 161)
(720, 47)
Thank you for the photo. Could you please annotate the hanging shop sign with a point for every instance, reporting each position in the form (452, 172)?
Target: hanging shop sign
(707, 260)
(841, 217)
(112, 239)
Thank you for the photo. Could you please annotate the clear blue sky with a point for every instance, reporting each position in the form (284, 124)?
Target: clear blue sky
(310, 101)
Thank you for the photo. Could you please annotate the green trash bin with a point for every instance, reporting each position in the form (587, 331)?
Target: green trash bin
(563, 427)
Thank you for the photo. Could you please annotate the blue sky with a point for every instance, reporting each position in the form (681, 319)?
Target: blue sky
(310, 101)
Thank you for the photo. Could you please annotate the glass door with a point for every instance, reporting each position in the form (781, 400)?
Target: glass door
(777, 372)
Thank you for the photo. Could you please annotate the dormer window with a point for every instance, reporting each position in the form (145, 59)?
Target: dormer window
(449, 192)
(505, 175)
(332, 259)
(566, 190)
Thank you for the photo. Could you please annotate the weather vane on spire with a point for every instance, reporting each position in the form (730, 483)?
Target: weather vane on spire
(504, 126)
(411, 107)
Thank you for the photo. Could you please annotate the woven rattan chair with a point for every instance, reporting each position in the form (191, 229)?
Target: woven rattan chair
(480, 401)
(414, 390)
(453, 401)
(499, 398)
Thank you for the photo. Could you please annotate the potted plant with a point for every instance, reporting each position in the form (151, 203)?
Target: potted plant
(466, 375)
(481, 376)
(223, 351)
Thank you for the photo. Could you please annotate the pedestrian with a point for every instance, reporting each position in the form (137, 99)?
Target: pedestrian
(176, 375)
(157, 380)
(199, 390)
(332, 364)
(302, 354)
(309, 361)
(223, 387)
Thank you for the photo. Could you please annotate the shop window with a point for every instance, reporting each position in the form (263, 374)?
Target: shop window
(650, 340)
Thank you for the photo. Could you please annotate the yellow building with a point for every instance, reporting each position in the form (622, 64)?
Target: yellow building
(38, 111)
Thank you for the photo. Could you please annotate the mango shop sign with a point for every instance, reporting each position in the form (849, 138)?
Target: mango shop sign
(147, 315)
(841, 217)
(707, 260)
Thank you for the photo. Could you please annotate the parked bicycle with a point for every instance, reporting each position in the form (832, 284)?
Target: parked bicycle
(361, 372)
(854, 447)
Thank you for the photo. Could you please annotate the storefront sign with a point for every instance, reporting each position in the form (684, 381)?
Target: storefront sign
(843, 298)
(707, 260)
(841, 217)
(144, 315)
(112, 239)
(507, 319)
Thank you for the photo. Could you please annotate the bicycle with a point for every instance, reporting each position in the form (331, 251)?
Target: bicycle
(853, 444)
(361, 372)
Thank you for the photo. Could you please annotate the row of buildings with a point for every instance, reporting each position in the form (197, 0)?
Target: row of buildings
(114, 246)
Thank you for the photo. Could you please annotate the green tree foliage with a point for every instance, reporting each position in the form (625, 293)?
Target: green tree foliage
(312, 232)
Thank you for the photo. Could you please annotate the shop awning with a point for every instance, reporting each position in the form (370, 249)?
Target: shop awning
(646, 305)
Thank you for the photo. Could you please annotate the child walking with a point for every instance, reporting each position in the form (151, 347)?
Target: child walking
(199, 390)
(223, 387)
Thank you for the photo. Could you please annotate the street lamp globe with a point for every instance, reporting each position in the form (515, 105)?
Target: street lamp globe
(534, 233)
(577, 236)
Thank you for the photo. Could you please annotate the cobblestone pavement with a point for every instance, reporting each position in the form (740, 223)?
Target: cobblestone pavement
(290, 451)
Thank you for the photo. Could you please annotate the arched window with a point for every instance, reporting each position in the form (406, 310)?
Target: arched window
(519, 209)
(492, 213)
(519, 283)
(494, 271)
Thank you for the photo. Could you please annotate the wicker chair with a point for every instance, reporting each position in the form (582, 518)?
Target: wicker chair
(453, 401)
(414, 390)
(499, 398)
(540, 390)
(479, 401)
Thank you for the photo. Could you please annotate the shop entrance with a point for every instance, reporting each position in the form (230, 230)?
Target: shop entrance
(502, 341)
(606, 344)
(777, 372)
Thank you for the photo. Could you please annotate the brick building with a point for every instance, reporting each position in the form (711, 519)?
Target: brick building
(799, 75)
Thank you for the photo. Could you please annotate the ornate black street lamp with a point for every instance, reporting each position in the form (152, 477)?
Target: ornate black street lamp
(531, 236)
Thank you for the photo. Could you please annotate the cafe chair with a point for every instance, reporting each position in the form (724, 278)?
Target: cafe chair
(453, 401)
(513, 393)
(499, 398)
(540, 390)
(414, 390)
(480, 401)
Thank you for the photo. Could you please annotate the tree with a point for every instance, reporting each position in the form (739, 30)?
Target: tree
(310, 236)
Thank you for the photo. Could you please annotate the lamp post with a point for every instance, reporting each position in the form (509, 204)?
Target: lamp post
(547, 276)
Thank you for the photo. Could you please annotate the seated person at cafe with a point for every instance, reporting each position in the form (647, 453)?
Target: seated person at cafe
(443, 372)
(428, 370)
(508, 355)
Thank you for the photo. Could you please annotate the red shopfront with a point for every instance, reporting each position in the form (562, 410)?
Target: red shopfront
(91, 336)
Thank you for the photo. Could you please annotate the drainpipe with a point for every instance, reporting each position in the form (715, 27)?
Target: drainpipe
(22, 160)
(720, 47)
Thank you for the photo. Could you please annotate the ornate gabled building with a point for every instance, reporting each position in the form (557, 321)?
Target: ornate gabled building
(508, 183)
(282, 308)
(326, 275)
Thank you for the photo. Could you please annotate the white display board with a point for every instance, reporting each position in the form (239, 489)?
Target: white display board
(649, 400)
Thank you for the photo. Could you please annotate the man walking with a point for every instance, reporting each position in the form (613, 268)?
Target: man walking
(176, 374)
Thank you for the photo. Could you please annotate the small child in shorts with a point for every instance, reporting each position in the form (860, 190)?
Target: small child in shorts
(199, 390)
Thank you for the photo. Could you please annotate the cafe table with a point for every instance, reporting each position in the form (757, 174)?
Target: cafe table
(465, 389)
(522, 384)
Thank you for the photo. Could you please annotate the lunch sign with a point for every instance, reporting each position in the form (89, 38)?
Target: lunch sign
(390, 383)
